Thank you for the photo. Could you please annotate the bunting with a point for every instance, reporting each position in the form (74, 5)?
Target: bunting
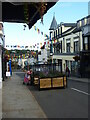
(38, 30)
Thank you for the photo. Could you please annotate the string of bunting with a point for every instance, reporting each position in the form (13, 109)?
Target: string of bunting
(37, 45)
(38, 30)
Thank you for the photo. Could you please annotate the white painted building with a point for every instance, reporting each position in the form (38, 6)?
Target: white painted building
(72, 38)
(1, 46)
(45, 53)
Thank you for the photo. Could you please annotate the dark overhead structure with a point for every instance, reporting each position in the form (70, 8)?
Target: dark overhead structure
(22, 12)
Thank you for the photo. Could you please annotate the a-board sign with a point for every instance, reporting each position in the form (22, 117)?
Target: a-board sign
(8, 74)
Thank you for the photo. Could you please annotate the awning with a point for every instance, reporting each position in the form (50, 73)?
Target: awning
(22, 12)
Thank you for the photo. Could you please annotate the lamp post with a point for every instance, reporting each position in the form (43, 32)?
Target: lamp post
(51, 48)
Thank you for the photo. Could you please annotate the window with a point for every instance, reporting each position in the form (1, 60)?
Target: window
(68, 47)
(58, 48)
(63, 44)
(76, 46)
(78, 24)
(83, 22)
(85, 43)
(61, 47)
(54, 34)
(88, 20)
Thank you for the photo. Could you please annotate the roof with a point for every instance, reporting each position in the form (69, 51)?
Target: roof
(69, 24)
(54, 24)
(83, 18)
(15, 11)
(77, 30)
(87, 34)
(68, 30)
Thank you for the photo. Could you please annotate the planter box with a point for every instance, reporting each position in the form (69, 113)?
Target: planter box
(45, 83)
(57, 82)
(36, 80)
(65, 81)
(54, 82)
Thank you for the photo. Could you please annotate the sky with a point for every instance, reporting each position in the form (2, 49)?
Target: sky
(67, 12)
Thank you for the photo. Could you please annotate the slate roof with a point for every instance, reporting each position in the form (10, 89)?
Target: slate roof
(54, 24)
(69, 24)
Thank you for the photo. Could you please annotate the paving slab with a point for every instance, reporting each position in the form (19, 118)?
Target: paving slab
(0, 103)
(18, 101)
(87, 80)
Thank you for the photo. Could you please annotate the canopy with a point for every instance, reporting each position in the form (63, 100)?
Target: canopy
(22, 12)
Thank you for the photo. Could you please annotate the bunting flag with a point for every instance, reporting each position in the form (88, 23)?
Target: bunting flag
(18, 46)
(42, 33)
(24, 56)
(40, 43)
(44, 43)
(38, 30)
(48, 42)
(37, 45)
(26, 46)
(7, 45)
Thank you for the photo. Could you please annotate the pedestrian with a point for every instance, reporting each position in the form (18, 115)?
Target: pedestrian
(67, 71)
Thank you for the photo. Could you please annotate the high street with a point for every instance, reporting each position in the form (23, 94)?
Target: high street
(71, 102)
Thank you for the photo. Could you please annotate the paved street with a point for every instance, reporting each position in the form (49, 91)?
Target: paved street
(71, 102)
(18, 101)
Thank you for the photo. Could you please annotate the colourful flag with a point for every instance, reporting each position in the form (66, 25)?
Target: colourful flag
(40, 43)
(26, 46)
(42, 33)
(48, 42)
(44, 43)
(38, 31)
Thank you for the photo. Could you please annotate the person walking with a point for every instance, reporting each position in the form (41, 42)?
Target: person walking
(67, 71)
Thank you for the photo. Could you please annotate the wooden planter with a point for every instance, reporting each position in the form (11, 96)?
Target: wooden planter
(36, 80)
(55, 82)
(44, 83)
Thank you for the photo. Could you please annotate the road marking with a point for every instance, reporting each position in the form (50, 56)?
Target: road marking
(80, 91)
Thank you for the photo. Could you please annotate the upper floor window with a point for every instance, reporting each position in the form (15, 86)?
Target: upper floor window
(85, 43)
(88, 20)
(54, 34)
(78, 24)
(68, 45)
(76, 46)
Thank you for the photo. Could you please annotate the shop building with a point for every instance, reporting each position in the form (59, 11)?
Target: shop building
(72, 40)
